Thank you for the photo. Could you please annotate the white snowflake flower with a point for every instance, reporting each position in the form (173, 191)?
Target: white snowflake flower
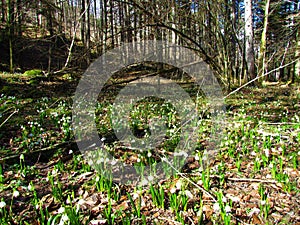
(135, 196)
(16, 194)
(22, 157)
(267, 152)
(61, 210)
(63, 219)
(54, 172)
(254, 211)
(172, 190)
(227, 209)
(178, 184)
(30, 187)
(224, 199)
(2, 204)
(188, 194)
(81, 202)
(216, 207)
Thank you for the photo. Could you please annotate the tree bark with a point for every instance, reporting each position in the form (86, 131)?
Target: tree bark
(263, 43)
(83, 21)
(249, 40)
(105, 25)
(3, 11)
(88, 33)
(297, 57)
(111, 3)
(10, 23)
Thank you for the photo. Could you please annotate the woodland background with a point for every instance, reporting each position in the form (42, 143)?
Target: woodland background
(240, 40)
(253, 48)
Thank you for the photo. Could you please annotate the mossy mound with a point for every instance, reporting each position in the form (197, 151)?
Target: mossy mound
(35, 72)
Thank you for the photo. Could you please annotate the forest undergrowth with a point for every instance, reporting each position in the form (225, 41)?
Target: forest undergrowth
(253, 177)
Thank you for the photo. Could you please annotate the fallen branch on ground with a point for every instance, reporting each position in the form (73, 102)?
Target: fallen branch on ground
(14, 112)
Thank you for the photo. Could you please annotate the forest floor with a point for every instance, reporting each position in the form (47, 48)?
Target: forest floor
(254, 177)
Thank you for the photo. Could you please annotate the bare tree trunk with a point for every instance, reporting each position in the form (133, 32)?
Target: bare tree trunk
(66, 15)
(105, 24)
(60, 16)
(173, 36)
(263, 42)
(10, 23)
(158, 34)
(297, 57)
(49, 18)
(249, 39)
(83, 21)
(95, 24)
(3, 11)
(75, 10)
(85, 28)
(112, 23)
(121, 20)
(228, 46)
(127, 23)
(88, 32)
